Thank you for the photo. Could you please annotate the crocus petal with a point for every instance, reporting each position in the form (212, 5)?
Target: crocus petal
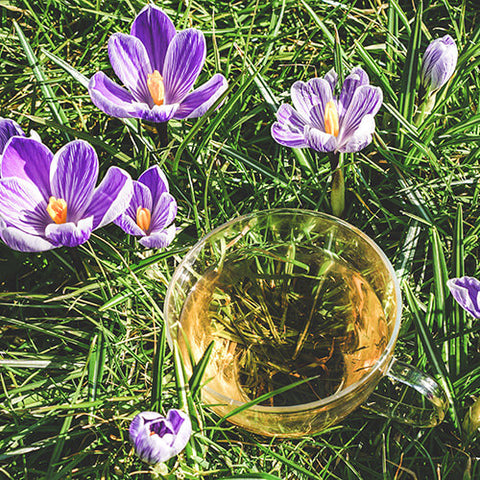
(196, 103)
(439, 62)
(8, 129)
(183, 62)
(164, 212)
(305, 96)
(111, 197)
(159, 239)
(127, 223)
(112, 98)
(156, 438)
(319, 140)
(22, 241)
(156, 181)
(361, 137)
(28, 159)
(130, 62)
(118, 102)
(288, 130)
(366, 100)
(69, 234)
(73, 177)
(142, 198)
(155, 30)
(23, 206)
(332, 78)
(466, 291)
(357, 78)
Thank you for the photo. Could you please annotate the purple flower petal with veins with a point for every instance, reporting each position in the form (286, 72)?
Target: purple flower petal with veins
(151, 211)
(439, 62)
(466, 291)
(157, 438)
(48, 201)
(158, 66)
(325, 122)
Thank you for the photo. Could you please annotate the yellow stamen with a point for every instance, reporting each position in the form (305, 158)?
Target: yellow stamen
(331, 118)
(57, 209)
(143, 218)
(156, 87)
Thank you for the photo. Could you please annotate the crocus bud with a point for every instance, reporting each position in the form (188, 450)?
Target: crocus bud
(439, 62)
(157, 438)
(466, 291)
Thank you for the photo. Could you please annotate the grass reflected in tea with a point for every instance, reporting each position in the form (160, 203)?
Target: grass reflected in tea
(282, 315)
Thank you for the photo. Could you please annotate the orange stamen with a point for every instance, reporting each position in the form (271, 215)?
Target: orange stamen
(331, 118)
(57, 209)
(156, 87)
(143, 218)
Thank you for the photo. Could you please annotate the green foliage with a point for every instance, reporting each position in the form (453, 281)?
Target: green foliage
(82, 345)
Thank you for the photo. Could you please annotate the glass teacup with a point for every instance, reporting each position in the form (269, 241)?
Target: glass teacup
(303, 312)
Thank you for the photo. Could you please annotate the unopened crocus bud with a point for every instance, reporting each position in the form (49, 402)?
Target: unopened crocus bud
(439, 62)
(466, 291)
(157, 438)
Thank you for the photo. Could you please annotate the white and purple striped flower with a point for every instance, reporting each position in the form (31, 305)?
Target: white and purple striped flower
(151, 211)
(159, 67)
(325, 122)
(466, 291)
(156, 438)
(48, 201)
(439, 62)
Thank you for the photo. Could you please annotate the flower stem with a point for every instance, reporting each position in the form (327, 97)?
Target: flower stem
(162, 133)
(337, 196)
(338, 192)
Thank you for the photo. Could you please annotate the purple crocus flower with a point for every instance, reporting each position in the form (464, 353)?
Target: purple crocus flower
(151, 211)
(326, 123)
(156, 438)
(159, 67)
(439, 62)
(48, 201)
(466, 291)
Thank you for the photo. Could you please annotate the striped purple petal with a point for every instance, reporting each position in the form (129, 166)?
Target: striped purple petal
(357, 78)
(183, 62)
(320, 141)
(164, 212)
(196, 103)
(360, 138)
(22, 241)
(161, 239)
(288, 130)
(366, 100)
(73, 176)
(111, 198)
(131, 64)
(8, 129)
(305, 96)
(466, 291)
(28, 159)
(69, 234)
(155, 180)
(23, 206)
(155, 30)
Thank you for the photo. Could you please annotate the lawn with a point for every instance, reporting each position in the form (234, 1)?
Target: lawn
(82, 338)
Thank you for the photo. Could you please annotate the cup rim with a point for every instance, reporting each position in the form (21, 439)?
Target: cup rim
(379, 364)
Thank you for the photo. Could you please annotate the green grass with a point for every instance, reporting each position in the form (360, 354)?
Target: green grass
(80, 328)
